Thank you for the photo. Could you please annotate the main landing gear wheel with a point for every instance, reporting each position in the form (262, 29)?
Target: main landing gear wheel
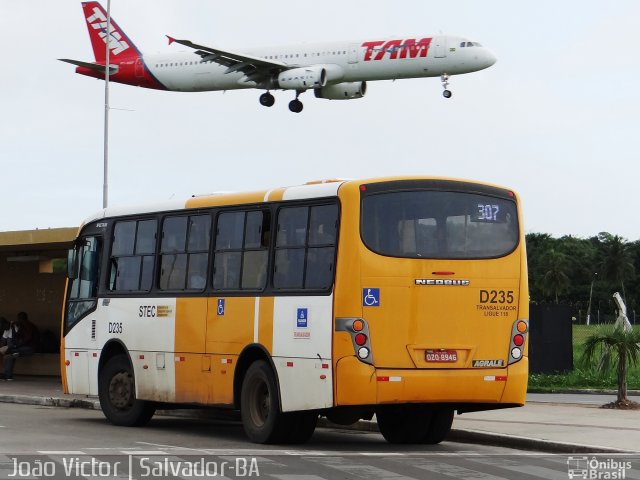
(296, 106)
(445, 83)
(267, 100)
(117, 393)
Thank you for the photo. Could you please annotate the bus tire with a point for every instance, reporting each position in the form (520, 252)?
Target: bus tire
(262, 420)
(301, 426)
(439, 426)
(117, 394)
(404, 423)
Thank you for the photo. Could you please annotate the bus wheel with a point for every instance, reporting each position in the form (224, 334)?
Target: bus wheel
(439, 426)
(262, 420)
(117, 393)
(404, 423)
(301, 426)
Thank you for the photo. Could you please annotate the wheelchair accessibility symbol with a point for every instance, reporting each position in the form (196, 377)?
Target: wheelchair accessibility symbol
(371, 297)
(221, 306)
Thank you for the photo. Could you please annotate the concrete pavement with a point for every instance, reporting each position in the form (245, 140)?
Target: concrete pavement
(571, 423)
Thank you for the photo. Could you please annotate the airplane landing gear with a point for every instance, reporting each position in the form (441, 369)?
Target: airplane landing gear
(445, 83)
(267, 100)
(295, 105)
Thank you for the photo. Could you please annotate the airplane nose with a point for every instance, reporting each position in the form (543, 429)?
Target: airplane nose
(489, 58)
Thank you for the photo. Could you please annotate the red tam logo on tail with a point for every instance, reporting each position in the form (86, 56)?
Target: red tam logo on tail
(98, 21)
(96, 18)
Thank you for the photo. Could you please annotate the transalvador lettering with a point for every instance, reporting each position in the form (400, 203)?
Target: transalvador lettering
(440, 281)
(488, 363)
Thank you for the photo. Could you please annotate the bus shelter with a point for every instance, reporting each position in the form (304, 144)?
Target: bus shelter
(32, 280)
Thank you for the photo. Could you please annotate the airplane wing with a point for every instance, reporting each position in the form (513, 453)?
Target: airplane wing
(254, 68)
(113, 69)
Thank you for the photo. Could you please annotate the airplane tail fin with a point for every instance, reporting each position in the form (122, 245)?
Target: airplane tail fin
(120, 46)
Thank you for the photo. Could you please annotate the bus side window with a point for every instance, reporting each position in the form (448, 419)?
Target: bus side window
(132, 256)
(242, 250)
(305, 247)
(185, 252)
(228, 255)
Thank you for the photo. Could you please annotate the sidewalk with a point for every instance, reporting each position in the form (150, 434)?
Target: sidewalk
(569, 423)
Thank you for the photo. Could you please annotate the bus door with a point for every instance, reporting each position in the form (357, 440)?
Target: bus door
(82, 302)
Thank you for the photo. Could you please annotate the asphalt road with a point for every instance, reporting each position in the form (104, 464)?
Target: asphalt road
(76, 443)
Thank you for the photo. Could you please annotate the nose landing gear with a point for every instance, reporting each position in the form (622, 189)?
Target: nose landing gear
(445, 83)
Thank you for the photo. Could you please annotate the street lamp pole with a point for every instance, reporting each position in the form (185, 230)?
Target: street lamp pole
(590, 296)
(105, 175)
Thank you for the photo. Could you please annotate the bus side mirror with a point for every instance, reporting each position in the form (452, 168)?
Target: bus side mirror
(72, 264)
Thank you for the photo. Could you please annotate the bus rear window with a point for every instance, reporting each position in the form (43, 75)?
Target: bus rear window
(439, 224)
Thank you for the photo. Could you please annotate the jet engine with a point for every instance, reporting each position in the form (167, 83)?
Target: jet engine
(302, 78)
(342, 91)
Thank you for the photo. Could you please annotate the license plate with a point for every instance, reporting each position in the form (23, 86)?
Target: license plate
(441, 356)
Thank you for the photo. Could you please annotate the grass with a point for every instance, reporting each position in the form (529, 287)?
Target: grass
(582, 376)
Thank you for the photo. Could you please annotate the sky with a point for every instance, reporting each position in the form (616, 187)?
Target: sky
(557, 118)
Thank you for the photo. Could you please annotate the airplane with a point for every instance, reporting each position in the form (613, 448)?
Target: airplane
(333, 70)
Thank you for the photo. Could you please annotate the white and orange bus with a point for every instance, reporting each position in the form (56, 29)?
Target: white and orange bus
(402, 297)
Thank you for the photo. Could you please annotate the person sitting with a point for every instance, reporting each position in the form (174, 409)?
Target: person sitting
(4, 327)
(21, 339)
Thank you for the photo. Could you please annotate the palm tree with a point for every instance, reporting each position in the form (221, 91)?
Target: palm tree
(613, 347)
(554, 280)
(617, 264)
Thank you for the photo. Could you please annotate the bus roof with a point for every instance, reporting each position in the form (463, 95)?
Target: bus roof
(312, 189)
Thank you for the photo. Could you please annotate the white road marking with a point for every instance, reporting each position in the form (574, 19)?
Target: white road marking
(61, 452)
(143, 452)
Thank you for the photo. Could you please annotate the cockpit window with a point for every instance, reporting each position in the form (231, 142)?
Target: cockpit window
(470, 44)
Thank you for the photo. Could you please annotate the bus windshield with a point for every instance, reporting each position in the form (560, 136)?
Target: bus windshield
(439, 224)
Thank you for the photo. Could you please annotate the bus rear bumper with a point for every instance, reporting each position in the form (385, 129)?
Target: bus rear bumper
(361, 384)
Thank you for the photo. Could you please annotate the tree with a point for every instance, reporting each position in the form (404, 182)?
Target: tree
(614, 348)
(617, 264)
(554, 280)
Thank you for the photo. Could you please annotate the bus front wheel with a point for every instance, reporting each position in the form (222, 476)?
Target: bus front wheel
(117, 394)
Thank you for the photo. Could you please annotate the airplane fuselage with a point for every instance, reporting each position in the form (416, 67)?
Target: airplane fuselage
(389, 59)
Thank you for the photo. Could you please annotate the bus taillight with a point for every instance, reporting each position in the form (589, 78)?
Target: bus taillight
(358, 330)
(518, 337)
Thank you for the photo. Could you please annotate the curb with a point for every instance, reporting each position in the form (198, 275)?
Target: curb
(514, 441)
(585, 391)
(51, 401)
(456, 435)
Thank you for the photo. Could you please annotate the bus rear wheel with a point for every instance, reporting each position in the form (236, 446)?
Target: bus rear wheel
(262, 420)
(439, 426)
(404, 423)
(117, 394)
